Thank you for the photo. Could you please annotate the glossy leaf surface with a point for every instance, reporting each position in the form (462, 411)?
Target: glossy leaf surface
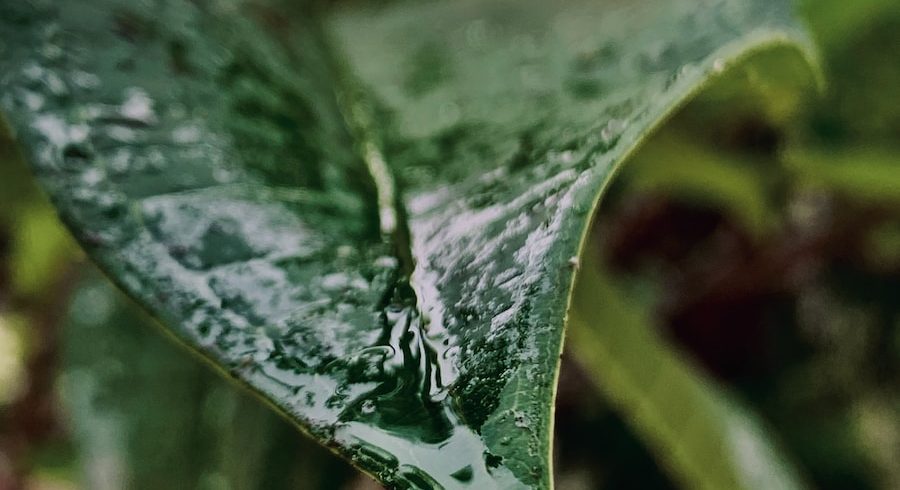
(369, 216)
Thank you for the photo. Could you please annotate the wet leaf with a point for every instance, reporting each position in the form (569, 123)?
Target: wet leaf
(368, 216)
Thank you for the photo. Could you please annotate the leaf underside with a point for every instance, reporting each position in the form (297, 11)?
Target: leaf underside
(366, 215)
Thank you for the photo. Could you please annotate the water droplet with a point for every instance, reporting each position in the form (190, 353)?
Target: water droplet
(335, 281)
(33, 100)
(51, 52)
(85, 80)
(75, 154)
(223, 175)
(492, 460)
(520, 419)
(119, 162)
(372, 452)
(417, 478)
(121, 134)
(186, 134)
(386, 262)
(53, 128)
(463, 474)
(718, 65)
(368, 407)
(336, 401)
(138, 106)
(611, 132)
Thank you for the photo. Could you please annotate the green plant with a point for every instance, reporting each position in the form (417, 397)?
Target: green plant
(373, 216)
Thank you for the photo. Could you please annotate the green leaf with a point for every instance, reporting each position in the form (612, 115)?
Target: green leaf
(38, 245)
(833, 22)
(702, 434)
(864, 174)
(367, 216)
(677, 166)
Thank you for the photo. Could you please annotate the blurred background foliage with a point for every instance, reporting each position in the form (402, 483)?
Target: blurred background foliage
(762, 242)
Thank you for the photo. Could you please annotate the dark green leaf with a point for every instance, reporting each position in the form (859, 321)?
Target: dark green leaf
(370, 220)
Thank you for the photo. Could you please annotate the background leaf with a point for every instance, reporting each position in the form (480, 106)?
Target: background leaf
(147, 416)
(700, 432)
